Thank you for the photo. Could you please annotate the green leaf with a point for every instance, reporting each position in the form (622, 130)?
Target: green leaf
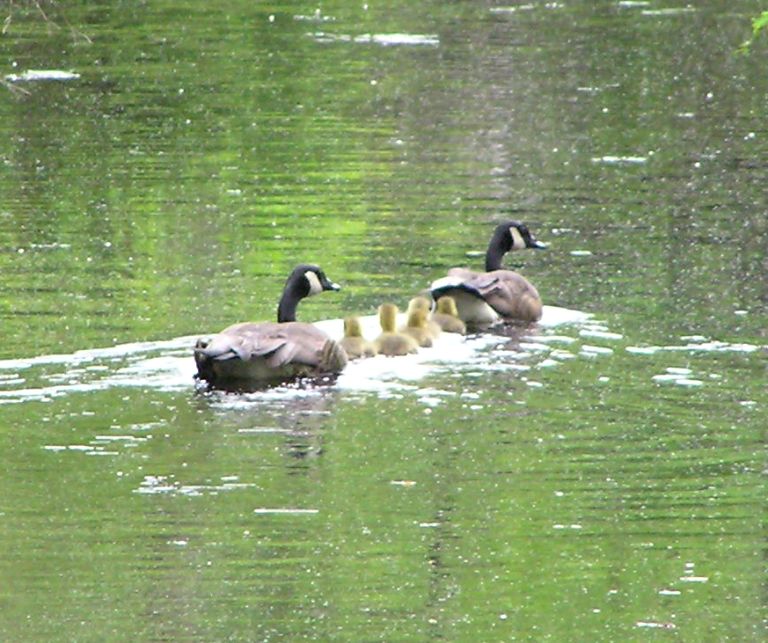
(759, 23)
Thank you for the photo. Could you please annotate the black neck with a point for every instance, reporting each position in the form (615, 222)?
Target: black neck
(497, 248)
(286, 309)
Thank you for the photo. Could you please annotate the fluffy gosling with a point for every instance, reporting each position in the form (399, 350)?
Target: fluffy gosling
(417, 327)
(353, 341)
(390, 342)
(447, 316)
(422, 303)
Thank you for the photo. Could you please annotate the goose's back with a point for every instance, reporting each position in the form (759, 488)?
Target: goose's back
(268, 351)
(509, 294)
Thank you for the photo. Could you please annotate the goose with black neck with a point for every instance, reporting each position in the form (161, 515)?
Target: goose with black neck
(496, 295)
(250, 354)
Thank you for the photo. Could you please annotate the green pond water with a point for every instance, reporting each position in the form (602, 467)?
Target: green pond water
(600, 476)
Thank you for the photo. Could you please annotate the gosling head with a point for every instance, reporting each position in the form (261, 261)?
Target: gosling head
(388, 317)
(419, 303)
(447, 306)
(352, 327)
(417, 318)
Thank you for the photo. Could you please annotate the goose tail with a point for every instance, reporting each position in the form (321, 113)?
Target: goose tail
(333, 358)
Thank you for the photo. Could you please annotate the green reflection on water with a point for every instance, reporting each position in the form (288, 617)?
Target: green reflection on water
(204, 152)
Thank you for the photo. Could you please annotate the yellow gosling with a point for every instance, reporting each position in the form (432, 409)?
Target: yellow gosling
(447, 316)
(353, 341)
(390, 342)
(422, 303)
(417, 327)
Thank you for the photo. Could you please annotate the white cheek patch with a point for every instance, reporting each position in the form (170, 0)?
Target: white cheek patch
(315, 286)
(518, 243)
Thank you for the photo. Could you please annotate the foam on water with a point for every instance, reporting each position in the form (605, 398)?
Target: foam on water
(168, 365)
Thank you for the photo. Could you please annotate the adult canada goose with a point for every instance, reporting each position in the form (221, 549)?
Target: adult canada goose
(255, 352)
(447, 316)
(416, 327)
(422, 303)
(390, 342)
(353, 342)
(483, 298)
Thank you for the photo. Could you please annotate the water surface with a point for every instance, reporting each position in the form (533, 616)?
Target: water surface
(601, 472)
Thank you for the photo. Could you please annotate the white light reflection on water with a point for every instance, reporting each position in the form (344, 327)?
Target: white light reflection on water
(611, 159)
(703, 346)
(153, 485)
(670, 11)
(383, 39)
(36, 75)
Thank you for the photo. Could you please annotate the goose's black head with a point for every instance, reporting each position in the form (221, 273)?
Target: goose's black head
(510, 235)
(305, 280)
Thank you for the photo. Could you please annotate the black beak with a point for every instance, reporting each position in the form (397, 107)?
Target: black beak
(330, 285)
